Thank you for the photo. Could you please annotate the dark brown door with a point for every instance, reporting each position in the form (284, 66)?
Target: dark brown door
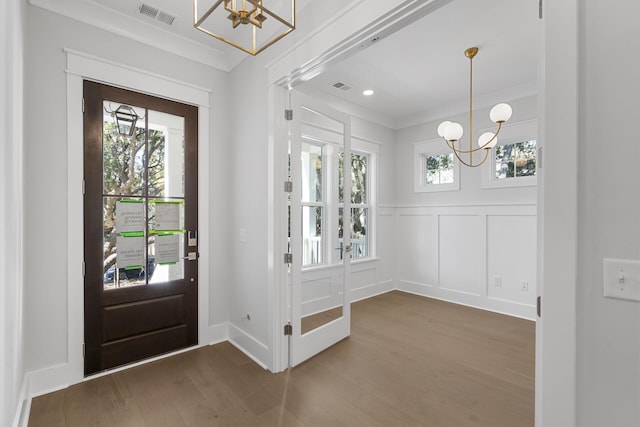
(140, 226)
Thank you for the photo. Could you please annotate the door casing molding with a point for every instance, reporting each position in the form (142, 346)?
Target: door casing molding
(81, 66)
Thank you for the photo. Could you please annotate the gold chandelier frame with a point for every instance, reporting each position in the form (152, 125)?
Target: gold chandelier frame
(245, 12)
(451, 132)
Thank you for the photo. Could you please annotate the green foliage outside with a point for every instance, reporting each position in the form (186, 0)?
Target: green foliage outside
(124, 161)
(358, 197)
(439, 169)
(514, 160)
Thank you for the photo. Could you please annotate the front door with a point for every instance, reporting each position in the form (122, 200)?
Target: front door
(140, 226)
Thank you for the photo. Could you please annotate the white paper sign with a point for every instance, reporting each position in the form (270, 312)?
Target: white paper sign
(167, 249)
(167, 216)
(129, 217)
(130, 251)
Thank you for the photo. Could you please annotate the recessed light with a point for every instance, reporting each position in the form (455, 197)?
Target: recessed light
(367, 92)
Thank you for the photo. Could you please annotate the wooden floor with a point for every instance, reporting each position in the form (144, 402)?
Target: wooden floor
(410, 361)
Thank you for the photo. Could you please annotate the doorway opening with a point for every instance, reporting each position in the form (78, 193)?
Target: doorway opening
(328, 59)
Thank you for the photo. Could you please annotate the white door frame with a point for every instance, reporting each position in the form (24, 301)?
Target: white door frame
(81, 66)
(557, 214)
(557, 204)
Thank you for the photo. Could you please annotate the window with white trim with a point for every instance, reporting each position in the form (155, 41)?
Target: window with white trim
(435, 167)
(359, 204)
(513, 161)
(438, 168)
(323, 201)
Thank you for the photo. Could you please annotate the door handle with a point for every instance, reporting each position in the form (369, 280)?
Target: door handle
(346, 248)
(191, 256)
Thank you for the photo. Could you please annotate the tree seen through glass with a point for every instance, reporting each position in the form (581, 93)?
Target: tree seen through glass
(439, 169)
(516, 160)
(359, 201)
(123, 176)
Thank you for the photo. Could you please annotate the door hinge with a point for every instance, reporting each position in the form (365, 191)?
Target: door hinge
(539, 306)
(83, 105)
(539, 9)
(288, 258)
(288, 187)
(84, 268)
(84, 187)
(288, 329)
(83, 350)
(288, 115)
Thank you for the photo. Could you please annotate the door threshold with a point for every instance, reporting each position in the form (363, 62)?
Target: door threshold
(140, 363)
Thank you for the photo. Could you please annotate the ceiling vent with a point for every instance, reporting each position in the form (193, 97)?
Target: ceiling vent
(341, 86)
(157, 14)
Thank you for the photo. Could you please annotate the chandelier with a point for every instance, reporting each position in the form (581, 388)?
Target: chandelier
(451, 132)
(253, 27)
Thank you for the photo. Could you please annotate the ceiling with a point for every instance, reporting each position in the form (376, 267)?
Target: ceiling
(418, 73)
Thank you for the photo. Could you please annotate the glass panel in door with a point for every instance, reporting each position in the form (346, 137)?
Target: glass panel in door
(319, 274)
(141, 195)
(143, 198)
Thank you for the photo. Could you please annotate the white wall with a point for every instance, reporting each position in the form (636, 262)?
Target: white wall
(451, 245)
(12, 369)
(608, 330)
(470, 182)
(45, 220)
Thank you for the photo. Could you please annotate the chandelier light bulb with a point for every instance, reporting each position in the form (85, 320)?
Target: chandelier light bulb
(453, 132)
(485, 138)
(441, 127)
(500, 113)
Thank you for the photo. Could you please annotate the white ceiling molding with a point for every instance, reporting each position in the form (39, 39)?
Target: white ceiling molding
(94, 14)
(479, 101)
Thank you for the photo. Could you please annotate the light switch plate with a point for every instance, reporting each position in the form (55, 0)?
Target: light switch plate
(621, 279)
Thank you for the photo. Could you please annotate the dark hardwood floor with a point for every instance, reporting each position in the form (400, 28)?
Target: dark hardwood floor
(314, 321)
(410, 361)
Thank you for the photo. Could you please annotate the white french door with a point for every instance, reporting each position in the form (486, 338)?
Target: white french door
(319, 211)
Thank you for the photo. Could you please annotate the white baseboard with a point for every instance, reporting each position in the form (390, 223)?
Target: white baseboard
(484, 303)
(254, 349)
(218, 333)
(48, 380)
(372, 290)
(21, 417)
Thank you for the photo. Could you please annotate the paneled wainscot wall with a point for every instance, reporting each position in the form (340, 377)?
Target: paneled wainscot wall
(478, 255)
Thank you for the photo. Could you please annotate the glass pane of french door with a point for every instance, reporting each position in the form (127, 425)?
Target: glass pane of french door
(319, 275)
